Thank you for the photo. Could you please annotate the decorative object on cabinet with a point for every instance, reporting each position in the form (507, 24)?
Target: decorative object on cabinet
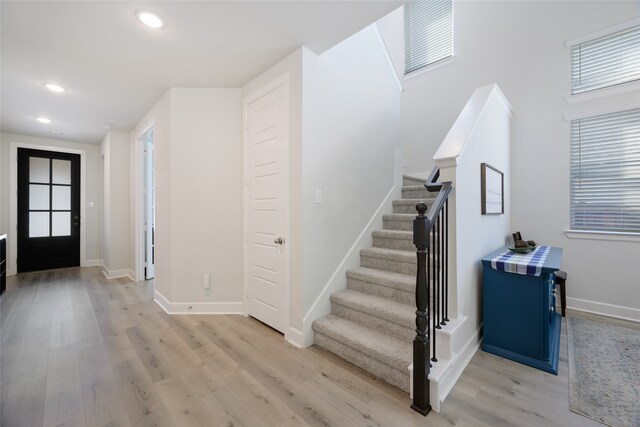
(520, 322)
(492, 190)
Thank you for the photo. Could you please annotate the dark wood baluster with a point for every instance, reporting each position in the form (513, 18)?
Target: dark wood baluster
(443, 267)
(436, 259)
(434, 286)
(421, 402)
(446, 260)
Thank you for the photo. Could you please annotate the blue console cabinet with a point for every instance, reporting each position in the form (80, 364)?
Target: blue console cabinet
(520, 319)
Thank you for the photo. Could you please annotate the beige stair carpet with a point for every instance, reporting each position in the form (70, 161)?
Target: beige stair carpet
(372, 322)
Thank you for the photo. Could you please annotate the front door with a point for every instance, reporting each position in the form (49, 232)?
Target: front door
(48, 210)
(267, 166)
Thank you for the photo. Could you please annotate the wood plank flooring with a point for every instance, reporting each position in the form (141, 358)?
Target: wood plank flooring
(80, 350)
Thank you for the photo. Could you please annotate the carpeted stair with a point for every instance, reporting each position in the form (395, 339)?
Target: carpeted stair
(372, 322)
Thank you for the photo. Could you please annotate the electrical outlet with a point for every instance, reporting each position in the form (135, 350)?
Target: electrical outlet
(206, 280)
(318, 196)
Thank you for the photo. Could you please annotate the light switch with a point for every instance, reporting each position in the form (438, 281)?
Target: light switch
(318, 196)
(90, 204)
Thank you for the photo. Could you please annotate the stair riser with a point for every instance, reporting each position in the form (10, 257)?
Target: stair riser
(384, 326)
(405, 208)
(397, 377)
(388, 265)
(410, 193)
(411, 181)
(388, 292)
(401, 244)
(401, 225)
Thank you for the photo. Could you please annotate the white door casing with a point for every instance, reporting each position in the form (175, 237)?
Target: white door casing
(266, 123)
(149, 211)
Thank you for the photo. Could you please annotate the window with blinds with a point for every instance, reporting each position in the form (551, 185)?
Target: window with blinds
(606, 61)
(428, 33)
(605, 172)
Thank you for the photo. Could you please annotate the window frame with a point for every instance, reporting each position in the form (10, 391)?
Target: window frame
(431, 65)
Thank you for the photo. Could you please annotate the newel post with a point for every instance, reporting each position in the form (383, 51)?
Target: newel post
(421, 227)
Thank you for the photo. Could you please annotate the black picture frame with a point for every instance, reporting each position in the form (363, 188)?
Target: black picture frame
(491, 190)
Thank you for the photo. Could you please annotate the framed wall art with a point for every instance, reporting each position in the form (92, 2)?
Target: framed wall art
(492, 190)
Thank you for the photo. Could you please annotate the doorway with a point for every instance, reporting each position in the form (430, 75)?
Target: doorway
(266, 117)
(48, 215)
(149, 211)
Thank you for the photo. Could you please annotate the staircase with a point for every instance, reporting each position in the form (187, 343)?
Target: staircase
(372, 321)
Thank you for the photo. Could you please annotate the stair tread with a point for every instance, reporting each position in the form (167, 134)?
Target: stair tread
(384, 252)
(412, 201)
(400, 216)
(393, 234)
(404, 281)
(384, 348)
(380, 307)
(414, 187)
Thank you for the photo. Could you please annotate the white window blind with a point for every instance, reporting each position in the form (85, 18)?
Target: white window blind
(606, 61)
(428, 32)
(605, 172)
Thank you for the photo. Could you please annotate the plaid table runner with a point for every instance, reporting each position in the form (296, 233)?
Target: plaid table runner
(527, 264)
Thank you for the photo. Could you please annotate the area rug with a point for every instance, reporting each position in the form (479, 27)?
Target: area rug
(604, 372)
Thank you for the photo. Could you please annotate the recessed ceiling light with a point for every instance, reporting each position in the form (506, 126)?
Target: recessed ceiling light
(43, 120)
(54, 87)
(150, 19)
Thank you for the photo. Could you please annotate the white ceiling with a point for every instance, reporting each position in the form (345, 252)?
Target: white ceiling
(115, 69)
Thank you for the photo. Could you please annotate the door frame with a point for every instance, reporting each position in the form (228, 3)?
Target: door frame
(282, 81)
(140, 199)
(13, 200)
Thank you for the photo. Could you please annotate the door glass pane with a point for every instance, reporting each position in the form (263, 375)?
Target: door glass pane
(61, 224)
(38, 197)
(61, 198)
(61, 171)
(38, 224)
(38, 170)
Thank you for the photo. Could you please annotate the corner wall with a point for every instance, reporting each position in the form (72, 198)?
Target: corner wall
(115, 244)
(198, 158)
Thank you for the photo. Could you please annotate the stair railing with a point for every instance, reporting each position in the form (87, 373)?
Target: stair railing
(431, 237)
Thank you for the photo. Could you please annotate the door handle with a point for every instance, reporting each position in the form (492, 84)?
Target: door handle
(279, 241)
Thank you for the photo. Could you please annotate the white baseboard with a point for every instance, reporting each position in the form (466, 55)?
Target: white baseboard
(295, 337)
(93, 262)
(132, 275)
(197, 307)
(447, 375)
(322, 306)
(602, 309)
(458, 364)
(115, 274)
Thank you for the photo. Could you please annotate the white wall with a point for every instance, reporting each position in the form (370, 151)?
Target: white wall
(521, 46)
(291, 66)
(351, 128)
(198, 154)
(93, 216)
(115, 163)
(206, 204)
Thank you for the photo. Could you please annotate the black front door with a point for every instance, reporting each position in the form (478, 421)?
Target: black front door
(48, 210)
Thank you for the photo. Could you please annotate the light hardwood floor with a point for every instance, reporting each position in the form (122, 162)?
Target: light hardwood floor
(80, 350)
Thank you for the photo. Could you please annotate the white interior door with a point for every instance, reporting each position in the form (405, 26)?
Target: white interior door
(149, 207)
(267, 166)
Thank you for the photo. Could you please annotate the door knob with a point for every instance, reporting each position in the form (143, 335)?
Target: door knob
(279, 241)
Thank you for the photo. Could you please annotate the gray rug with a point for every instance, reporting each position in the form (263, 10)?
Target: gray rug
(604, 372)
